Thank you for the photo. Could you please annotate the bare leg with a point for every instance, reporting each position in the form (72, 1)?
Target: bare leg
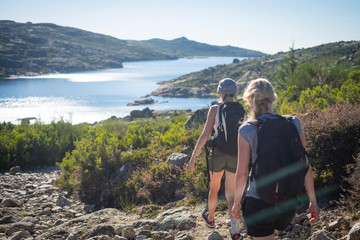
(271, 237)
(215, 184)
(229, 189)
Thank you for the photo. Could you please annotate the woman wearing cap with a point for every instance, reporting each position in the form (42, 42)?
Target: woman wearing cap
(227, 90)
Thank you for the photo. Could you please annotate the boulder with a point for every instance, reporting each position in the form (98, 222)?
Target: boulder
(100, 230)
(354, 233)
(21, 235)
(14, 170)
(145, 113)
(215, 236)
(21, 226)
(178, 159)
(196, 119)
(183, 236)
(129, 233)
(340, 223)
(119, 238)
(62, 201)
(10, 203)
(178, 218)
(300, 218)
(322, 234)
(162, 235)
(142, 102)
(147, 224)
(7, 219)
(102, 237)
(122, 173)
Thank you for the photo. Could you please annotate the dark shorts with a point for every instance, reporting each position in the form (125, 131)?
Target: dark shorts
(222, 161)
(261, 219)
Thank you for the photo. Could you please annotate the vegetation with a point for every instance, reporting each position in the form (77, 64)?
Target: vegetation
(332, 142)
(90, 170)
(351, 197)
(185, 47)
(301, 99)
(27, 48)
(38, 144)
(306, 68)
(119, 163)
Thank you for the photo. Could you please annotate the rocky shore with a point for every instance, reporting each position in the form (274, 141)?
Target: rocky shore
(33, 208)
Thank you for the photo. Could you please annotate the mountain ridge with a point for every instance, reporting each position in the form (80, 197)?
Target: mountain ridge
(193, 48)
(41, 48)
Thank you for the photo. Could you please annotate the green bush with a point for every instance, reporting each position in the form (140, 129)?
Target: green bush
(307, 75)
(87, 170)
(319, 98)
(36, 145)
(196, 183)
(137, 136)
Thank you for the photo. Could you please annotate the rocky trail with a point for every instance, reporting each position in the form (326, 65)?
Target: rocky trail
(32, 208)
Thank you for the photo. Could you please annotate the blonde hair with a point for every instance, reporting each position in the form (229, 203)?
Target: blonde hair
(260, 93)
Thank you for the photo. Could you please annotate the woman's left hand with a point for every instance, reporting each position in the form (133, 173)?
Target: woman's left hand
(192, 164)
(235, 210)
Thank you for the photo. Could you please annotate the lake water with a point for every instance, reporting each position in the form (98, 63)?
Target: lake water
(97, 95)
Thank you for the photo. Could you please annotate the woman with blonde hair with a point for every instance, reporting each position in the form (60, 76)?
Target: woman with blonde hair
(260, 96)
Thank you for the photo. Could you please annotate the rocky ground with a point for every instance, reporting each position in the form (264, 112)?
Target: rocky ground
(32, 208)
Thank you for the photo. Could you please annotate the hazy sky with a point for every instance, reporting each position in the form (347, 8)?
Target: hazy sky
(269, 26)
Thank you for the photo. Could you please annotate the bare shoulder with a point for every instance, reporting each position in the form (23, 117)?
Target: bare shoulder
(213, 110)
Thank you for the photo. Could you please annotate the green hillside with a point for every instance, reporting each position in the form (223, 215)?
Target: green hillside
(33, 49)
(339, 55)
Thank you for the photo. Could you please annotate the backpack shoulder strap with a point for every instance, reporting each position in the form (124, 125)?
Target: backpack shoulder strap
(220, 109)
(256, 122)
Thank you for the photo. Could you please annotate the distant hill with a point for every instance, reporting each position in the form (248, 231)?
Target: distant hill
(203, 83)
(184, 47)
(33, 49)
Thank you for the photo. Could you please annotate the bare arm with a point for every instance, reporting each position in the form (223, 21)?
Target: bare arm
(242, 173)
(209, 125)
(310, 189)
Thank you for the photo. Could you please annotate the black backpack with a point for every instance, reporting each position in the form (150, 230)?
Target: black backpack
(231, 115)
(281, 166)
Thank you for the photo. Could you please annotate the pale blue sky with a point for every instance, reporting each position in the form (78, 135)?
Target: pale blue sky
(265, 25)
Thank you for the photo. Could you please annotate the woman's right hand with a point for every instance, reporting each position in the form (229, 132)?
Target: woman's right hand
(315, 212)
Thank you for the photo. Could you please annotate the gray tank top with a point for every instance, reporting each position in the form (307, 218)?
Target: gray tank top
(249, 133)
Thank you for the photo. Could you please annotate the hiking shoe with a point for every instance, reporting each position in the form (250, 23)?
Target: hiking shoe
(235, 236)
(205, 216)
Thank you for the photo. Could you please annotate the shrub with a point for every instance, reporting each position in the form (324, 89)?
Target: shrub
(332, 141)
(137, 136)
(196, 183)
(36, 145)
(351, 197)
(87, 170)
(319, 98)
(350, 91)
(156, 184)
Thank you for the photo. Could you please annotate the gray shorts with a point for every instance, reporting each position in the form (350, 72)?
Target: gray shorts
(222, 161)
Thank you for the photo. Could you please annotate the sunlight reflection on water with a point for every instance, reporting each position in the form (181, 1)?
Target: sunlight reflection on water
(97, 95)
